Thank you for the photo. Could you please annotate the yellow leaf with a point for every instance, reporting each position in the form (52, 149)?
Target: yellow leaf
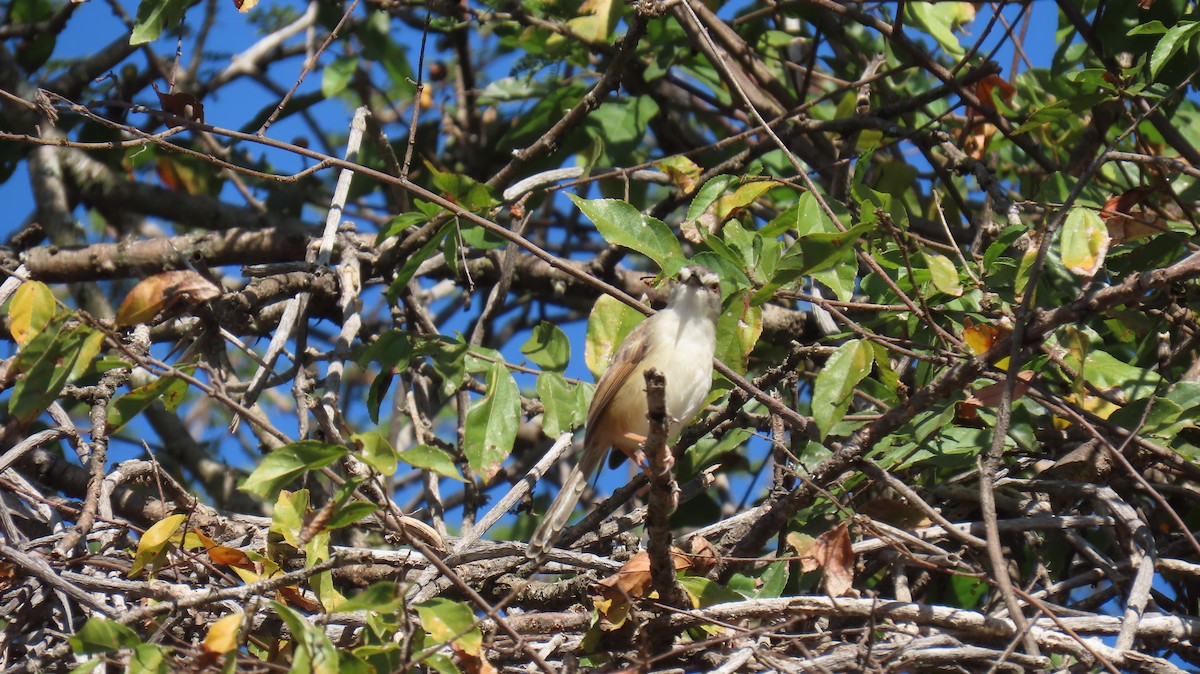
(158, 535)
(683, 172)
(222, 637)
(31, 309)
(152, 547)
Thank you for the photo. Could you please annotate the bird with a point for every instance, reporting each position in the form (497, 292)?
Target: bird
(679, 342)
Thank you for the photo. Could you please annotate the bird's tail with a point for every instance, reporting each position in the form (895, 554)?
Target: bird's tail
(559, 513)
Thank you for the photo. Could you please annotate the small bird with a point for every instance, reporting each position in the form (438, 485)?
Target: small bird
(679, 342)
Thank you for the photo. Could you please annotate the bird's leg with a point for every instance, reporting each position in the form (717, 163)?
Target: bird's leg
(637, 442)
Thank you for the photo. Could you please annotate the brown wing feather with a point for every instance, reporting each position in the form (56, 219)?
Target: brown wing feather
(632, 351)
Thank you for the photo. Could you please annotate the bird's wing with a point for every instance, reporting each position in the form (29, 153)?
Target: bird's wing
(632, 351)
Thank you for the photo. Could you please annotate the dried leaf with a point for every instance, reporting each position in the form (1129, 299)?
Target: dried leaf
(181, 104)
(991, 83)
(989, 396)
(612, 595)
(704, 557)
(979, 135)
(158, 294)
(833, 552)
(1126, 219)
(220, 554)
(292, 595)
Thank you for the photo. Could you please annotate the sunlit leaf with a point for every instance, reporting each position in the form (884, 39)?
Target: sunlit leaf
(623, 225)
(548, 346)
(31, 308)
(610, 321)
(222, 635)
(428, 457)
(287, 463)
(835, 384)
(943, 272)
(492, 423)
(1084, 242)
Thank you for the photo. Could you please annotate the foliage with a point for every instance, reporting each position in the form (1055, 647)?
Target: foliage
(281, 370)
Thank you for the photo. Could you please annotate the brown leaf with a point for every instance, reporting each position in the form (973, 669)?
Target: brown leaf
(979, 135)
(894, 511)
(292, 595)
(1123, 203)
(833, 553)
(704, 556)
(1127, 219)
(160, 293)
(991, 83)
(181, 104)
(989, 396)
(220, 554)
(633, 579)
(612, 595)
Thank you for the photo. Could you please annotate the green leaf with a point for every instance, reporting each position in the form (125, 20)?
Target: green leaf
(49, 361)
(1154, 27)
(288, 515)
(939, 20)
(968, 591)
(622, 224)
(548, 346)
(944, 273)
(773, 581)
(1045, 115)
(128, 406)
(560, 410)
(835, 384)
(1025, 269)
(289, 462)
(738, 330)
(705, 592)
(609, 323)
(492, 423)
(414, 261)
(1175, 39)
(463, 190)
(450, 622)
(428, 457)
(400, 223)
(708, 195)
(148, 659)
(393, 351)
(1084, 242)
(153, 16)
(381, 597)
(315, 653)
(376, 451)
(449, 362)
(103, 636)
(336, 76)
(350, 513)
